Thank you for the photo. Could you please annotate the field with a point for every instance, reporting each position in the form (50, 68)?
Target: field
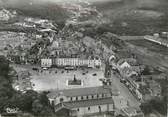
(152, 54)
(135, 17)
(150, 46)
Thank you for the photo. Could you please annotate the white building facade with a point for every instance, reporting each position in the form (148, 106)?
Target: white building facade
(46, 63)
(75, 62)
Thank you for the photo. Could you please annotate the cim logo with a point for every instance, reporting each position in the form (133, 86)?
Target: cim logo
(12, 110)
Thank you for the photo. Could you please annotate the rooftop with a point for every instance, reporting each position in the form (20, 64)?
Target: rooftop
(83, 91)
(130, 61)
(87, 103)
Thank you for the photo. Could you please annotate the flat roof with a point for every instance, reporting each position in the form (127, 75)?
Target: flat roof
(88, 103)
(84, 91)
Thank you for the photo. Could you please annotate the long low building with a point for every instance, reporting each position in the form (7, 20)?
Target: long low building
(75, 62)
(83, 101)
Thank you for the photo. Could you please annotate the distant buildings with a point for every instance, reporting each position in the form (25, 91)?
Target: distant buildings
(17, 57)
(161, 38)
(144, 90)
(83, 101)
(5, 15)
(75, 62)
(143, 87)
(40, 23)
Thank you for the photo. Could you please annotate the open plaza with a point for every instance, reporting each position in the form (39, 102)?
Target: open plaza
(58, 79)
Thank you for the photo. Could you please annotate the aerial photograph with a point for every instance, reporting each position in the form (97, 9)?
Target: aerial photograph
(83, 58)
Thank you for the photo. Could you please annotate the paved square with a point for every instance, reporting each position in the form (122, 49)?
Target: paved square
(49, 80)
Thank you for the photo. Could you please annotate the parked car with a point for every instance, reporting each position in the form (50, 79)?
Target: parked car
(83, 73)
(45, 68)
(122, 80)
(35, 69)
(94, 74)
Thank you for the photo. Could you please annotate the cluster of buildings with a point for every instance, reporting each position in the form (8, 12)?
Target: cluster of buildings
(129, 67)
(36, 23)
(5, 15)
(144, 90)
(80, 13)
(143, 87)
(73, 62)
(11, 38)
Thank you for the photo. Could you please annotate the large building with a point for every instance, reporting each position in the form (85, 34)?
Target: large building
(84, 101)
(75, 62)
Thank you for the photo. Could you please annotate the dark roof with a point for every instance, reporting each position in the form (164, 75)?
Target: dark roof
(83, 91)
(87, 103)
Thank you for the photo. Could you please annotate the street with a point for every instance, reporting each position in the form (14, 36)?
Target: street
(125, 98)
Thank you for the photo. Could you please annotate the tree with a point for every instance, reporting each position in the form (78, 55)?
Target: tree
(6, 90)
(107, 70)
(31, 101)
(146, 107)
(41, 110)
(154, 105)
(41, 106)
(4, 66)
(146, 71)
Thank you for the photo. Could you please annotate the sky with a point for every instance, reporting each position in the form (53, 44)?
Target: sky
(21, 2)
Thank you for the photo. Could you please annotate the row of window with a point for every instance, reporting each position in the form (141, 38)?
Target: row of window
(87, 97)
(99, 107)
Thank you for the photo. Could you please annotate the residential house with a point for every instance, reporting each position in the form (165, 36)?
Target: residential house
(125, 65)
(129, 67)
(130, 61)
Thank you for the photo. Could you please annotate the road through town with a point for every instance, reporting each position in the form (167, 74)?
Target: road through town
(125, 98)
